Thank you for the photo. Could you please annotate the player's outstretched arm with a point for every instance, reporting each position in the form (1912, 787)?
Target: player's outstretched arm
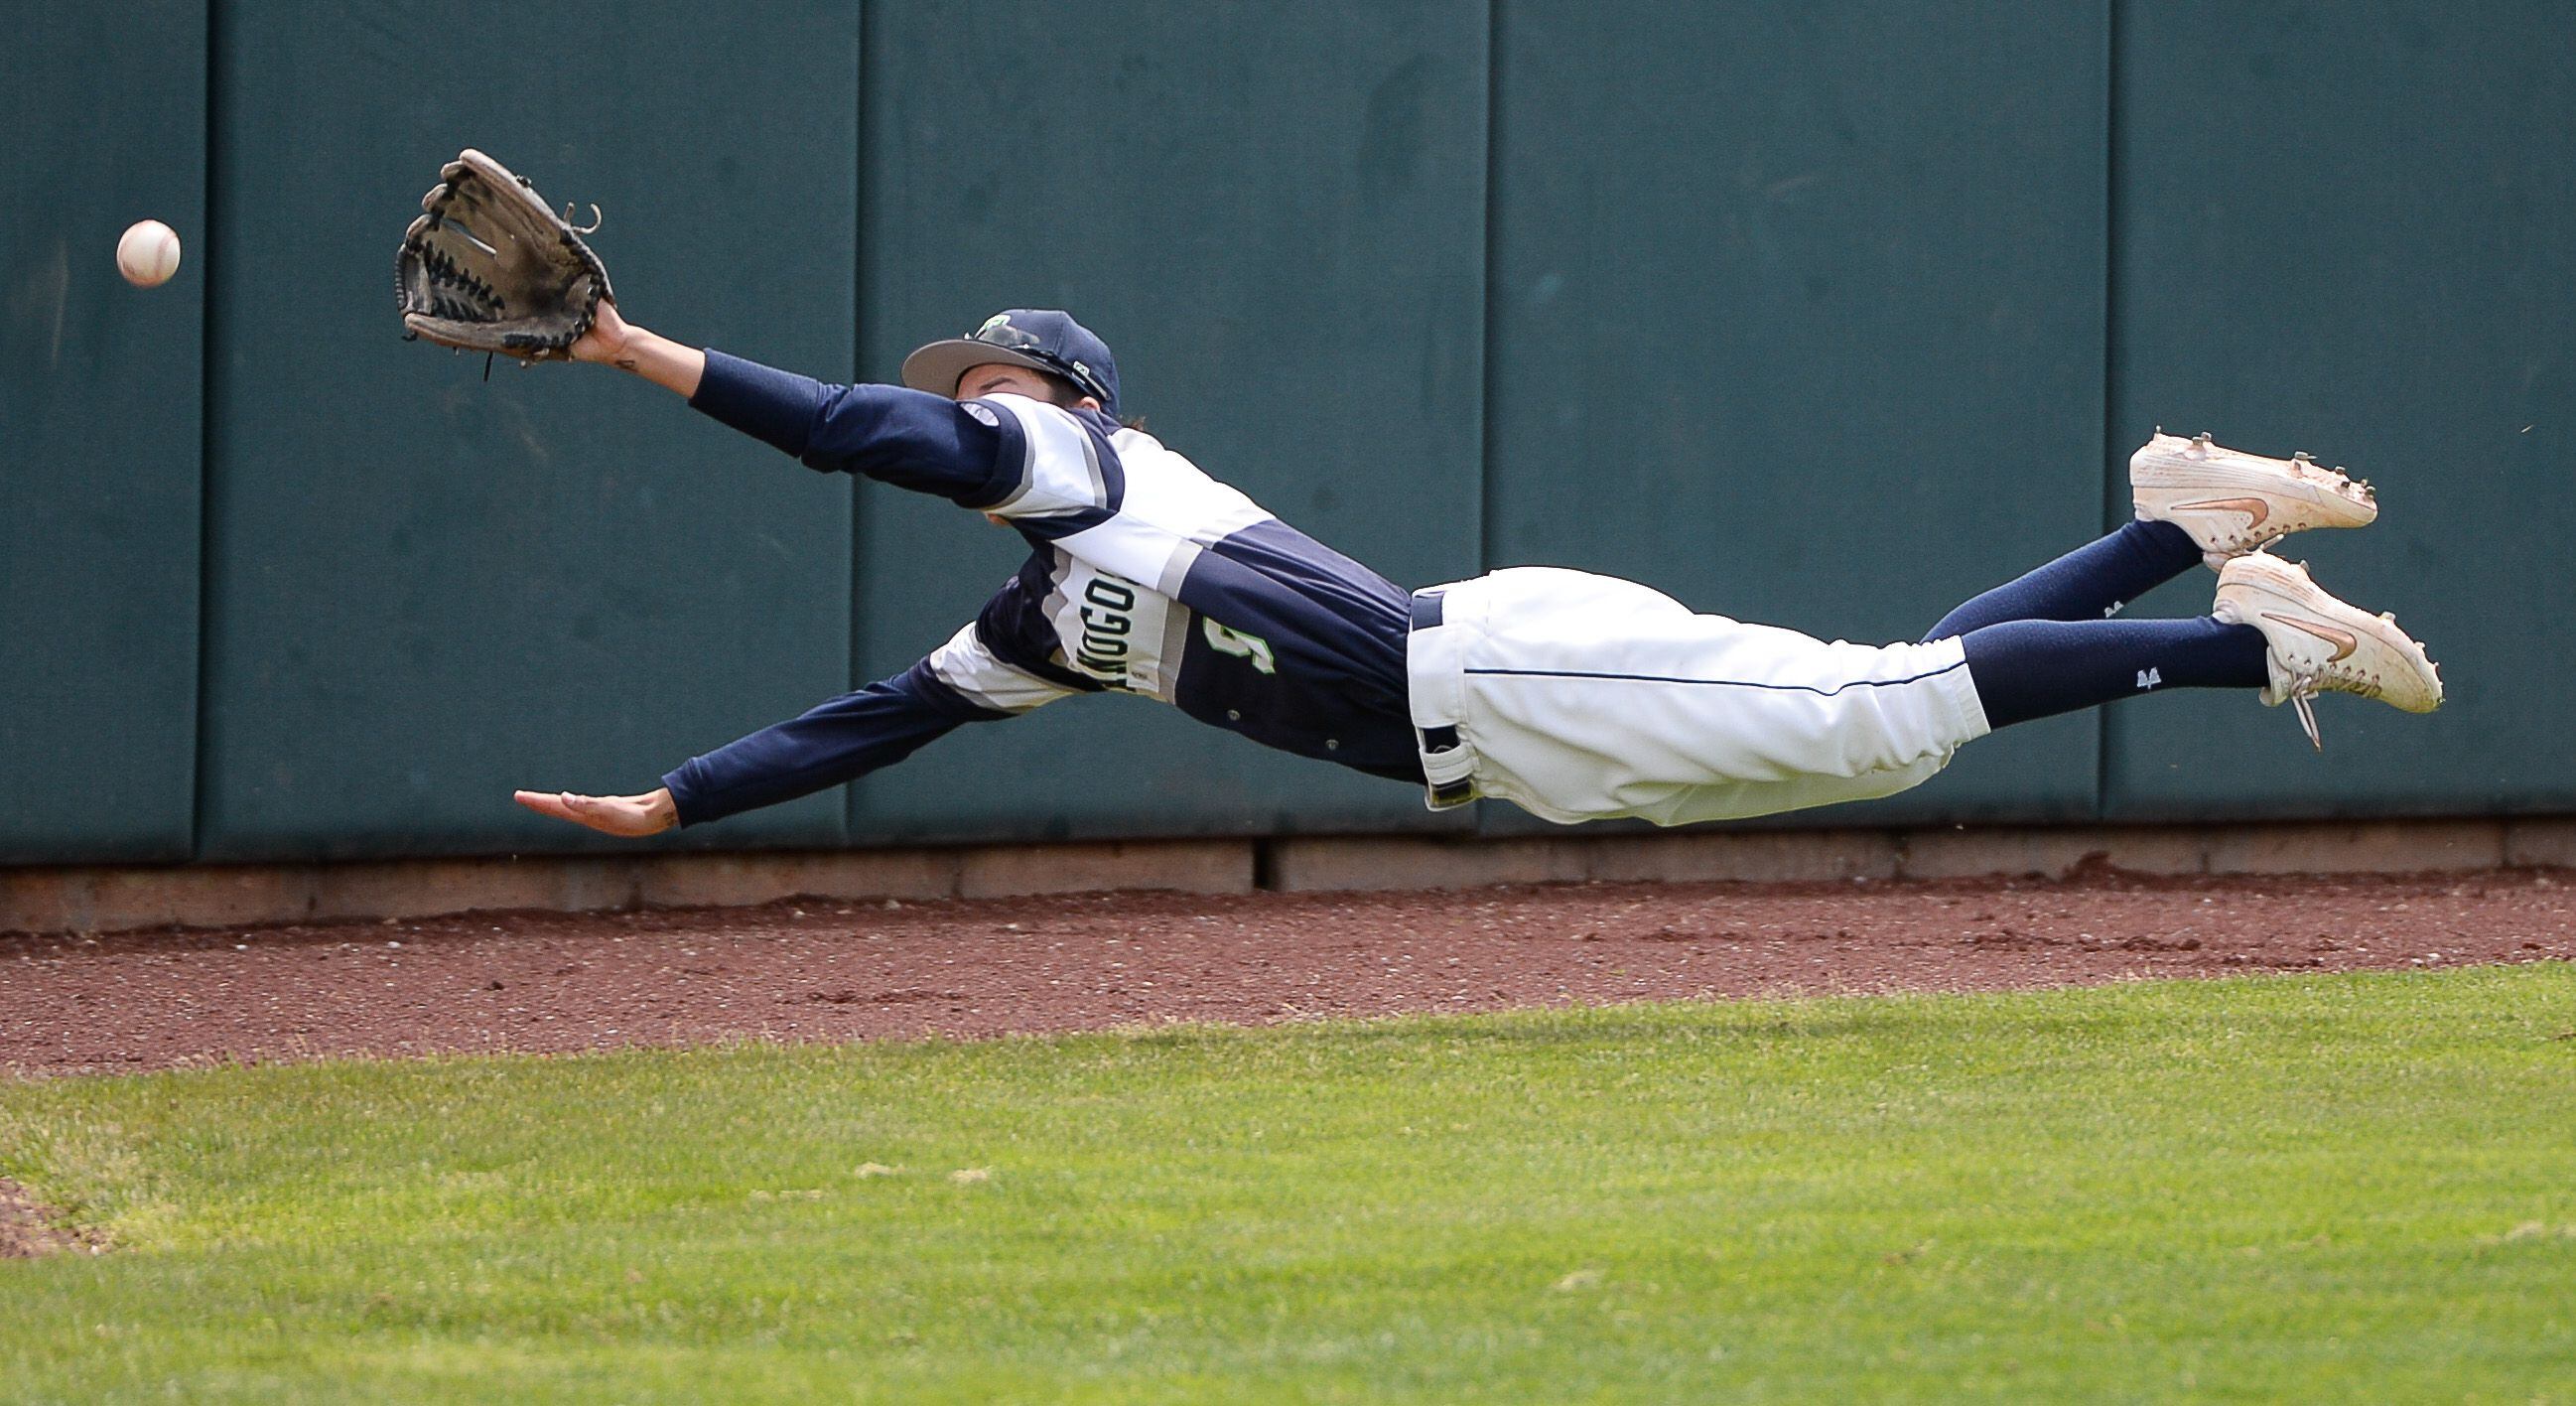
(836, 741)
(614, 341)
(630, 816)
(908, 438)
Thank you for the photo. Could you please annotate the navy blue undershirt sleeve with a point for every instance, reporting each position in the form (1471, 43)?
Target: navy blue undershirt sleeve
(838, 741)
(908, 438)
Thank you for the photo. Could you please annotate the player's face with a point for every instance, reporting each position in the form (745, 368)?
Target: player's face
(1002, 378)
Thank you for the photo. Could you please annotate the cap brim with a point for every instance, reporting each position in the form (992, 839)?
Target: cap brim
(936, 367)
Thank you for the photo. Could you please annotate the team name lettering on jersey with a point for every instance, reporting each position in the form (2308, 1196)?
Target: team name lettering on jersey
(1111, 629)
(1108, 606)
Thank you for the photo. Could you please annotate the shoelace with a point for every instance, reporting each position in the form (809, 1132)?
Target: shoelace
(2303, 688)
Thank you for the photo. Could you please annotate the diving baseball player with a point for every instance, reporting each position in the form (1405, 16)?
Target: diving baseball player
(1575, 696)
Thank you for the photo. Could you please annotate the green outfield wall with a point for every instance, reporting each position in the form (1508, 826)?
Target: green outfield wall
(1827, 315)
(2352, 228)
(101, 421)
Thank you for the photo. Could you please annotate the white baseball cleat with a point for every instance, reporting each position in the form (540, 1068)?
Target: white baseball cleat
(2232, 502)
(2321, 645)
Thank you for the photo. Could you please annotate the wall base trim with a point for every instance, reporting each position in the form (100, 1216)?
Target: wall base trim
(116, 899)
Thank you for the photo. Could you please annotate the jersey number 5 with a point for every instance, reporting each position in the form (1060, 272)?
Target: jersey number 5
(1236, 642)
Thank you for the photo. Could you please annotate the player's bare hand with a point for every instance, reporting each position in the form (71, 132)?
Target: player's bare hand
(631, 816)
(606, 340)
(614, 341)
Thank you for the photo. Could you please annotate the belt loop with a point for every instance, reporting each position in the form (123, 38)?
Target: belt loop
(1448, 764)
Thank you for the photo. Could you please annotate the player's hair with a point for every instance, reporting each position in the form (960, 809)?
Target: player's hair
(1061, 393)
(1064, 394)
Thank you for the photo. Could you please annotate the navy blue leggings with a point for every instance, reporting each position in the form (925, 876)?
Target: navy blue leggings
(2046, 643)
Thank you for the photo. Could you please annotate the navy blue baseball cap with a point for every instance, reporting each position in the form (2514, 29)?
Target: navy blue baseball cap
(1041, 338)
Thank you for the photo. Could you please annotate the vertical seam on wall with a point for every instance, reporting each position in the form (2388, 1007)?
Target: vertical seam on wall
(2103, 718)
(1480, 821)
(1485, 537)
(202, 770)
(858, 348)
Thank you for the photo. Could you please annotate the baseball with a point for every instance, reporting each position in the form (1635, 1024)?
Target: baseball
(148, 253)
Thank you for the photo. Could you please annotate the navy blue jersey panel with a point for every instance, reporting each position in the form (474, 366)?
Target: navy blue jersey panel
(1041, 531)
(1311, 713)
(1014, 625)
(1354, 616)
(1322, 669)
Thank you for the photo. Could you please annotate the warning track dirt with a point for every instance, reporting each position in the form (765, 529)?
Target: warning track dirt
(838, 970)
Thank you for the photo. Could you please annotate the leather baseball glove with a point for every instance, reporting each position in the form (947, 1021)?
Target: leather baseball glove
(490, 267)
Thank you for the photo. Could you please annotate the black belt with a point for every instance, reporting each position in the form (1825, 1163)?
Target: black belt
(1426, 616)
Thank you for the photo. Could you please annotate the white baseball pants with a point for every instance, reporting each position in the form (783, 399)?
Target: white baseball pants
(1581, 697)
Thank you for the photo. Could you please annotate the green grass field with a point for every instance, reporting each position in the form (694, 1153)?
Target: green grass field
(2357, 1187)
